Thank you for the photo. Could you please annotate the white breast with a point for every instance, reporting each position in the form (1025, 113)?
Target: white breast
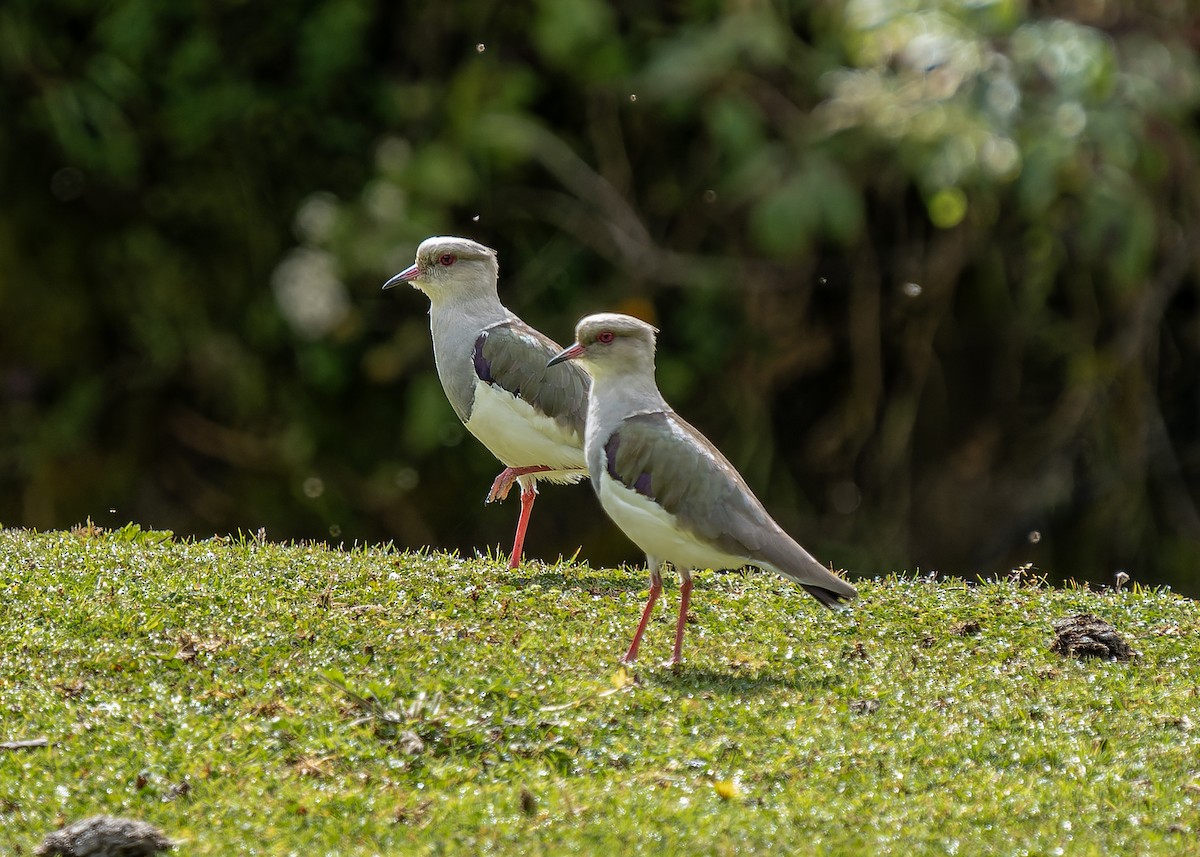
(517, 434)
(658, 532)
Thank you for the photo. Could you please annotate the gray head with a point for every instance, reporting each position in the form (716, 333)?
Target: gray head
(610, 343)
(450, 268)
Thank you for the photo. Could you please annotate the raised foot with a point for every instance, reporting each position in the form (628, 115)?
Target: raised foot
(503, 483)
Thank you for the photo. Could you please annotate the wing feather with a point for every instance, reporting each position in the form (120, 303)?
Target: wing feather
(513, 356)
(662, 457)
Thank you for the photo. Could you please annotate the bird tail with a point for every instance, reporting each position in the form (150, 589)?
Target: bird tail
(829, 597)
(798, 565)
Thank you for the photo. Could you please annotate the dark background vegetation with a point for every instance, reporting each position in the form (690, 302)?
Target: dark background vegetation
(929, 277)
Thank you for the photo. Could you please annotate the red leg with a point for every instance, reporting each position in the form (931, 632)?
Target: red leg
(528, 495)
(685, 596)
(504, 482)
(655, 589)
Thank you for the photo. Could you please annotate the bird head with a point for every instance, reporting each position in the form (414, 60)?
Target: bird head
(447, 268)
(611, 343)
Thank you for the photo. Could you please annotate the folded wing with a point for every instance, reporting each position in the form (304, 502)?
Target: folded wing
(513, 356)
(662, 457)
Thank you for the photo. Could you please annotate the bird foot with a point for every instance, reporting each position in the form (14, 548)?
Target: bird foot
(502, 485)
(508, 477)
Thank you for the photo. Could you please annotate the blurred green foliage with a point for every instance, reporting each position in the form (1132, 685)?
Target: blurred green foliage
(926, 271)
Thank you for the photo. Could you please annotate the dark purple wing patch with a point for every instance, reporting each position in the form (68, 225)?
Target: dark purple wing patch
(641, 484)
(483, 369)
(610, 455)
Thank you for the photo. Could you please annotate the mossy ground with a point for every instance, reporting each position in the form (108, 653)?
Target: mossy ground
(258, 698)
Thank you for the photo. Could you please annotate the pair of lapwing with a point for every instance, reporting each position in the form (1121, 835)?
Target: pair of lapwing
(594, 410)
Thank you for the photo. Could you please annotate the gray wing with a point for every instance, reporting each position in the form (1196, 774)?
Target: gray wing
(513, 355)
(661, 456)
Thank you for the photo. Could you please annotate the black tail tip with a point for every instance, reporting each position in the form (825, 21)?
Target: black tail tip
(831, 599)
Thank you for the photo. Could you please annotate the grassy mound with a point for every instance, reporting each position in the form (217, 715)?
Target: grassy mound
(257, 698)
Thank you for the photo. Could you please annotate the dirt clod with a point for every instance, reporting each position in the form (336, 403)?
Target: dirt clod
(105, 836)
(864, 706)
(1087, 636)
(528, 801)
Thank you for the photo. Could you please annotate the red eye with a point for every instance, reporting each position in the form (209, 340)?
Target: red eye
(447, 260)
(605, 337)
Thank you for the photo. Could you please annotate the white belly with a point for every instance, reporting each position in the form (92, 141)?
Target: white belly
(520, 436)
(657, 532)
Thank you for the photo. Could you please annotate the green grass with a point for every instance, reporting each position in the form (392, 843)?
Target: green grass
(256, 698)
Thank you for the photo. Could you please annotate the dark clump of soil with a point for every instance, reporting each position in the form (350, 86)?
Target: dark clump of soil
(105, 836)
(1086, 636)
(865, 706)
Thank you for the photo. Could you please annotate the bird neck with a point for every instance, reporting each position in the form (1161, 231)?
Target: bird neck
(466, 315)
(616, 397)
(455, 327)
